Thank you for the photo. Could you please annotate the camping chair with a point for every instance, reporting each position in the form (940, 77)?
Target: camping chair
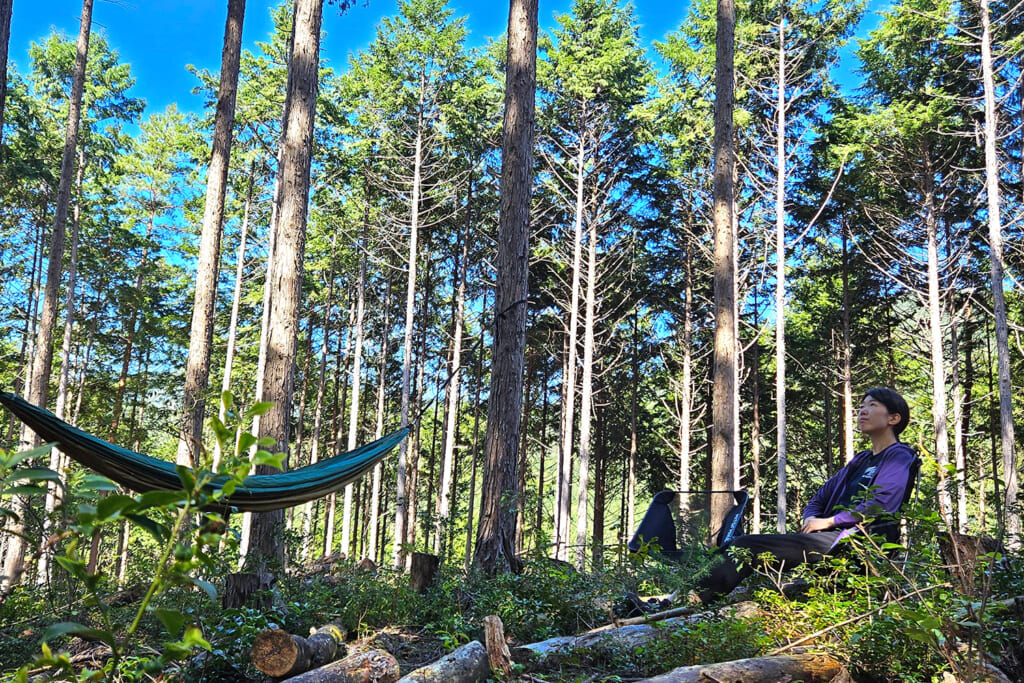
(891, 529)
(680, 523)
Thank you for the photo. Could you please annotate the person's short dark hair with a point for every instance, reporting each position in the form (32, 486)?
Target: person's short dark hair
(894, 403)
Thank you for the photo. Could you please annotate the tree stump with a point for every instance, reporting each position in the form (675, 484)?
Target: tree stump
(810, 668)
(371, 666)
(240, 587)
(423, 572)
(497, 649)
(279, 654)
(464, 665)
(962, 554)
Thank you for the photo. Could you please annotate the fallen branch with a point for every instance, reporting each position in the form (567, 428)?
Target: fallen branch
(550, 652)
(810, 668)
(466, 664)
(371, 666)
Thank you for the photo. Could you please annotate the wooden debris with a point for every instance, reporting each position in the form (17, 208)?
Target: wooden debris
(631, 634)
(464, 665)
(423, 572)
(963, 554)
(810, 668)
(371, 666)
(497, 649)
(279, 654)
(239, 587)
(366, 565)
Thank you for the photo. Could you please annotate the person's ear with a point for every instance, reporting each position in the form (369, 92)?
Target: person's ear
(894, 419)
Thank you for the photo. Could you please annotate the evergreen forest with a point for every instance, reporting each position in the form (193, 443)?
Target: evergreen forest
(324, 256)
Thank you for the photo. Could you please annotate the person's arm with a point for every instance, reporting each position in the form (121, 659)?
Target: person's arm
(887, 489)
(813, 519)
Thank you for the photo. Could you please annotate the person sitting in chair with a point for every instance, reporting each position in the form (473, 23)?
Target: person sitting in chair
(870, 486)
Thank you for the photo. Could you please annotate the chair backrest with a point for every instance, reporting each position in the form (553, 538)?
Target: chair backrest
(890, 528)
(679, 522)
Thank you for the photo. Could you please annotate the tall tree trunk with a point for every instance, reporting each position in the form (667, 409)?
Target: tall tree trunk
(959, 453)
(687, 380)
(475, 450)
(43, 358)
(197, 370)
(6, 8)
(353, 415)
(995, 242)
(58, 461)
(495, 551)
(600, 489)
(564, 491)
(452, 409)
(939, 415)
(846, 351)
(630, 487)
(341, 398)
(236, 302)
(374, 531)
(266, 548)
(780, 275)
(724, 387)
(586, 396)
(318, 407)
(404, 450)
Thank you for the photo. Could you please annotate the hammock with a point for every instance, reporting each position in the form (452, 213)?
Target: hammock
(257, 493)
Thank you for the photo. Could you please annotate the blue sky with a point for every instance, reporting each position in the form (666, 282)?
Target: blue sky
(160, 37)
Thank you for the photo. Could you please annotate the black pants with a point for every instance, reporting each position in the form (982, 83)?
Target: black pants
(789, 550)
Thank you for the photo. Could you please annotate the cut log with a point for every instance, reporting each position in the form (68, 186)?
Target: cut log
(497, 649)
(423, 571)
(810, 668)
(464, 665)
(279, 654)
(594, 644)
(371, 666)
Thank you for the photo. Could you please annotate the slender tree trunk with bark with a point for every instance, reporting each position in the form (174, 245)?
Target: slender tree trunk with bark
(6, 9)
(630, 492)
(318, 406)
(452, 409)
(58, 461)
(495, 542)
(847, 360)
(402, 507)
(197, 371)
(724, 386)
(780, 275)
(939, 415)
(475, 451)
(687, 380)
(586, 397)
(266, 548)
(563, 493)
(236, 302)
(374, 531)
(353, 415)
(995, 242)
(42, 360)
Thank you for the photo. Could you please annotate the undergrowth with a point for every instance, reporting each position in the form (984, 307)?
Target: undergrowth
(888, 617)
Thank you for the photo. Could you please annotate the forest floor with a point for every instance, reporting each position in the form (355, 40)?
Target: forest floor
(884, 621)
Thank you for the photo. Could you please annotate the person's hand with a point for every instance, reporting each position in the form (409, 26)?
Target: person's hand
(812, 524)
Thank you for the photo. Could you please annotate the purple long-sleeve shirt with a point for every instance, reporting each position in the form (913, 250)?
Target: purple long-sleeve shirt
(890, 483)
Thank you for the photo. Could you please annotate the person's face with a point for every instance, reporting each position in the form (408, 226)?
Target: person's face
(873, 417)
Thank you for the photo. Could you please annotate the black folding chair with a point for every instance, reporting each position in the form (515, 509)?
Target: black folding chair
(680, 523)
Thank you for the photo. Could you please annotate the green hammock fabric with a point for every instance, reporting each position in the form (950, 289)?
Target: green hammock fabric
(141, 473)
